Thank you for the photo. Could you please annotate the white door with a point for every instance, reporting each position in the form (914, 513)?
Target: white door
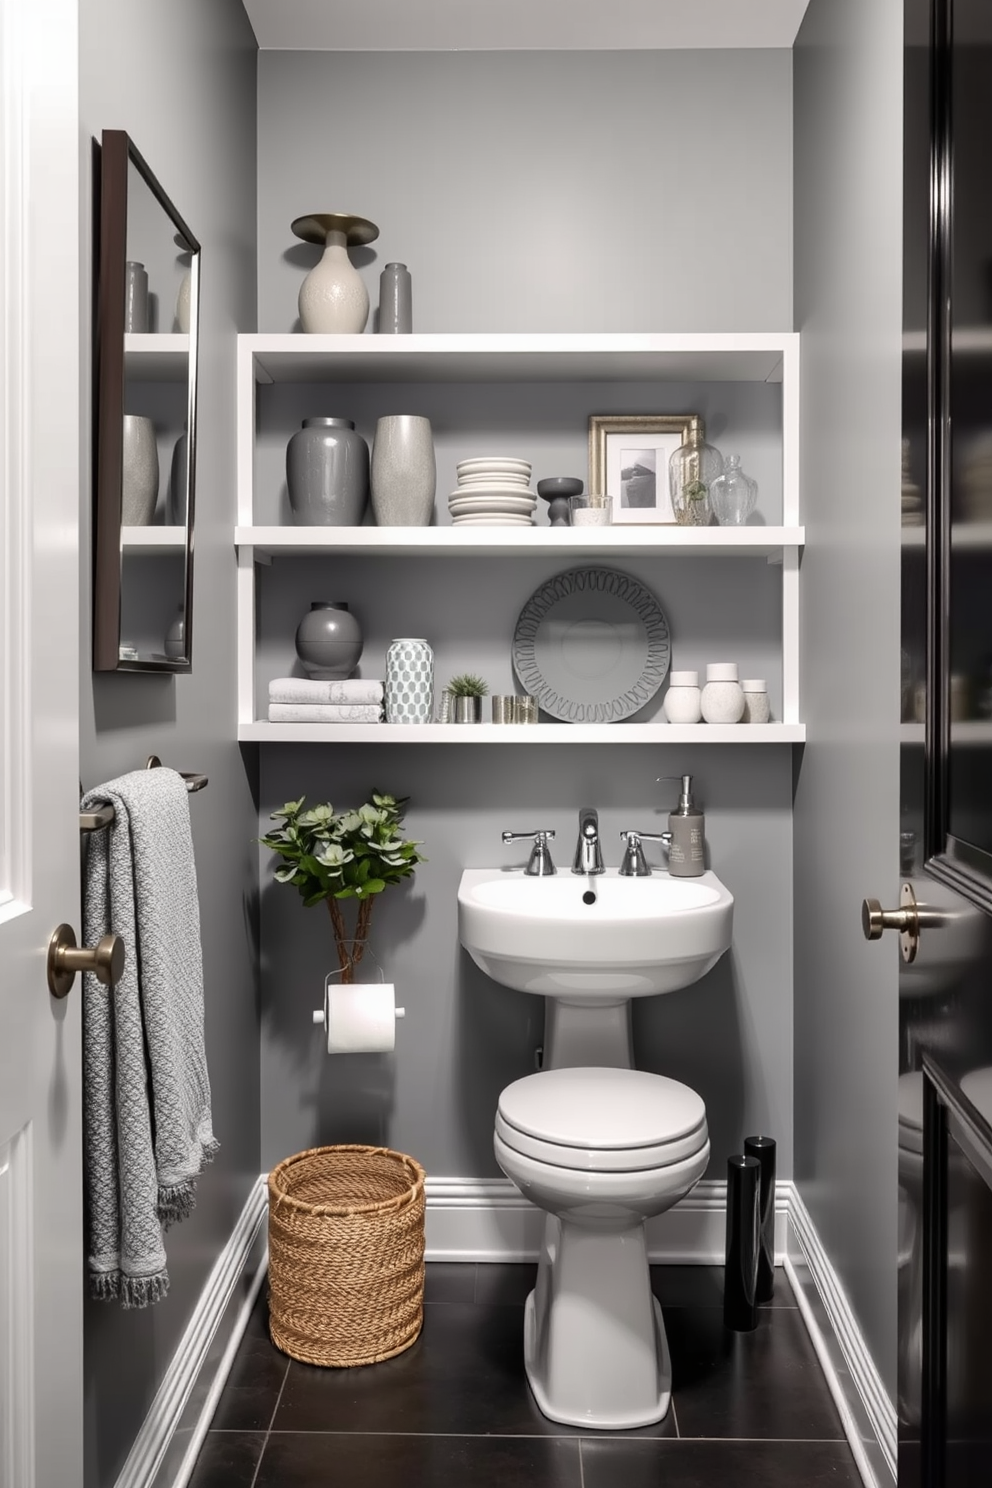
(41, 1277)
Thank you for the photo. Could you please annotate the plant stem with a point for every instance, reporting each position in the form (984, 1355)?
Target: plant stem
(340, 939)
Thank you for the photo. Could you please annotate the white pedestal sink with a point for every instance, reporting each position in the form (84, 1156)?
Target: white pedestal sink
(589, 944)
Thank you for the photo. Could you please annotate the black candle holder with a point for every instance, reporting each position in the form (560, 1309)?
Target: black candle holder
(556, 490)
(740, 1277)
(763, 1148)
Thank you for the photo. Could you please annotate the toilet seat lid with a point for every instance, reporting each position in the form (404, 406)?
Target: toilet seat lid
(605, 1109)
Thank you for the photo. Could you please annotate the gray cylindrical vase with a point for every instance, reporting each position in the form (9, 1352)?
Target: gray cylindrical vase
(329, 641)
(139, 473)
(135, 297)
(395, 300)
(468, 710)
(327, 472)
(404, 474)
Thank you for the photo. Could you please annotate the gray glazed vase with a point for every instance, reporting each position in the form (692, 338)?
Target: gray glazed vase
(327, 473)
(179, 483)
(404, 473)
(409, 681)
(395, 301)
(329, 641)
(139, 473)
(135, 297)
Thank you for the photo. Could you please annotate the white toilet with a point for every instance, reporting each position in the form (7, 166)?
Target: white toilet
(600, 1150)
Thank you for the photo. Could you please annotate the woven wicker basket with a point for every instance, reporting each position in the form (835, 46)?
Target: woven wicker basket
(346, 1254)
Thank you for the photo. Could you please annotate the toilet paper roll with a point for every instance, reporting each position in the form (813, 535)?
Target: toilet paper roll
(360, 1018)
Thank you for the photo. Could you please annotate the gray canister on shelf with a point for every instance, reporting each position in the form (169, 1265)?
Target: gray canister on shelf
(395, 301)
(329, 641)
(139, 471)
(409, 680)
(135, 297)
(404, 471)
(756, 708)
(327, 473)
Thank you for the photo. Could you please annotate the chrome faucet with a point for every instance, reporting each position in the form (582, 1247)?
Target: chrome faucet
(588, 853)
(539, 864)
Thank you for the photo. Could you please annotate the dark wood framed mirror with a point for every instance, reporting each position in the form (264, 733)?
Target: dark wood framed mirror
(147, 304)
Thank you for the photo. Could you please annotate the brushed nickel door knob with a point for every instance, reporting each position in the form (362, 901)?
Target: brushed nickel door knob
(65, 958)
(909, 919)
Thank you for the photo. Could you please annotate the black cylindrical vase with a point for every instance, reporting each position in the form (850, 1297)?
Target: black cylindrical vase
(740, 1278)
(763, 1148)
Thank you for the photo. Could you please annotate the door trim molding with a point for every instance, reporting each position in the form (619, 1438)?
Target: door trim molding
(189, 1392)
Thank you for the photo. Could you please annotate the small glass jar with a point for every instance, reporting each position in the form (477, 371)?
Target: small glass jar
(692, 469)
(591, 510)
(722, 699)
(733, 495)
(682, 700)
(756, 708)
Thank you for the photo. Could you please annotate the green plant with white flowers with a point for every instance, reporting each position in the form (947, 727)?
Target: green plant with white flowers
(331, 856)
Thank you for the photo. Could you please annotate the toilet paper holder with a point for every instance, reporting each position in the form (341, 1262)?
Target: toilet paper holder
(359, 1017)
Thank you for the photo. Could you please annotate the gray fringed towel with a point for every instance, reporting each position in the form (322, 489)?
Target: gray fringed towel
(146, 1093)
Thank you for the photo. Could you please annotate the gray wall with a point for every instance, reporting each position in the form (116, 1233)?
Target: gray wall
(537, 191)
(848, 256)
(430, 147)
(180, 78)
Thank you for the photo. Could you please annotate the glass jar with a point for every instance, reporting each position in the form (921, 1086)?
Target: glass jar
(733, 495)
(692, 469)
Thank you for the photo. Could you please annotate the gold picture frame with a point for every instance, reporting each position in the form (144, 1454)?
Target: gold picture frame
(615, 439)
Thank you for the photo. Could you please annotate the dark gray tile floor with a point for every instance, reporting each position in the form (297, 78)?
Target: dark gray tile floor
(748, 1409)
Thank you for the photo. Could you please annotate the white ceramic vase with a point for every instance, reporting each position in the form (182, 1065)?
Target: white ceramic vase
(139, 473)
(409, 681)
(183, 302)
(404, 472)
(333, 297)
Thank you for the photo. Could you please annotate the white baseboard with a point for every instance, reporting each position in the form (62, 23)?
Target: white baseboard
(171, 1435)
(488, 1219)
(868, 1415)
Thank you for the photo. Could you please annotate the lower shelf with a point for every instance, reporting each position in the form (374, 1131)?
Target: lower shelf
(534, 733)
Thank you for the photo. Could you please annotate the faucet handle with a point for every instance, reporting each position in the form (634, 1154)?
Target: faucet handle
(634, 863)
(539, 864)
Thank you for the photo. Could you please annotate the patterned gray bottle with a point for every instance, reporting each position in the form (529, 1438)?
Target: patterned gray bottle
(409, 681)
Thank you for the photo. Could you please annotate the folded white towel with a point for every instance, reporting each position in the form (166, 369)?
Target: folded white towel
(305, 690)
(325, 713)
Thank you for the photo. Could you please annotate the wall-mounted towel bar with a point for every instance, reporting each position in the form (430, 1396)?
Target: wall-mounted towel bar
(102, 816)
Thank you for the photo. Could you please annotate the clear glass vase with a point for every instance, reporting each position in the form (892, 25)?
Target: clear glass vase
(692, 469)
(733, 495)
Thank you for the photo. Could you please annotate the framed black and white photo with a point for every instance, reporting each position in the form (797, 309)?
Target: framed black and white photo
(628, 460)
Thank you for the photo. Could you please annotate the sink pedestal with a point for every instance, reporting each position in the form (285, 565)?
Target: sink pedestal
(587, 1035)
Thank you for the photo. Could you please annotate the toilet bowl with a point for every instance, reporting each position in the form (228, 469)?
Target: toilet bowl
(600, 1151)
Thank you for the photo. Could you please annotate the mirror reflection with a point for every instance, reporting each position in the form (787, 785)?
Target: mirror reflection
(149, 265)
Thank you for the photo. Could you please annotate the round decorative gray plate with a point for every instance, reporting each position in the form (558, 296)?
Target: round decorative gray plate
(592, 645)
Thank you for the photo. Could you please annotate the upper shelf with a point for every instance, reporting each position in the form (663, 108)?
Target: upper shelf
(512, 357)
(153, 358)
(533, 733)
(144, 541)
(572, 542)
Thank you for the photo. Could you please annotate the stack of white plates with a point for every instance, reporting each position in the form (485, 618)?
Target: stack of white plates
(493, 491)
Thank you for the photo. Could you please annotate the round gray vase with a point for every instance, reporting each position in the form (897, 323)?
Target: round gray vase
(329, 641)
(327, 472)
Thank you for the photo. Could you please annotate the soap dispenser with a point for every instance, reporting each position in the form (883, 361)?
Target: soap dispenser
(687, 829)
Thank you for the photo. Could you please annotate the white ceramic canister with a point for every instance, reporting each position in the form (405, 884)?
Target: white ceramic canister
(682, 700)
(409, 681)
(756, 709)
(722, 699)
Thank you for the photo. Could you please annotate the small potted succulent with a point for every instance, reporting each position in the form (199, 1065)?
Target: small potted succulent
(467, 692)
(331, 856)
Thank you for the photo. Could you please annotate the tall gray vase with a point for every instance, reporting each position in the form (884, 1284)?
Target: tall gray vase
(404, 473)
(139, 472)
(327, 473)
(395, 301)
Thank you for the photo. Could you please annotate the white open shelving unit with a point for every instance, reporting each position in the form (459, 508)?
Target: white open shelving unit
(551, 358)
